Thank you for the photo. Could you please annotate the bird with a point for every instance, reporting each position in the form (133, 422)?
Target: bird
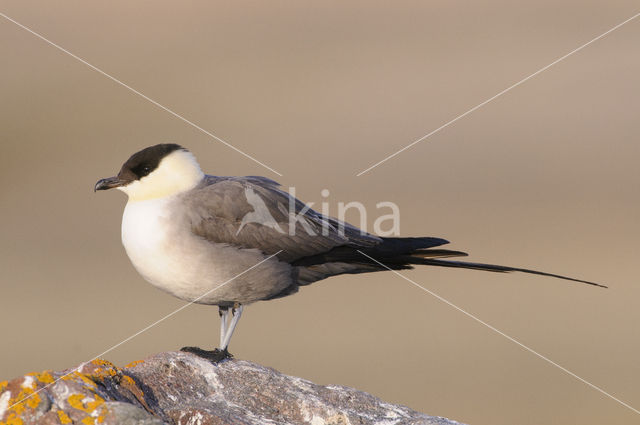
(231, 241)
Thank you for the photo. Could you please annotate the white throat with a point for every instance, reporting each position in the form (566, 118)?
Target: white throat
(177, 172)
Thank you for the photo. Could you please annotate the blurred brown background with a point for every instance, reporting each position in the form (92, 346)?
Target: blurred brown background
(545, 177)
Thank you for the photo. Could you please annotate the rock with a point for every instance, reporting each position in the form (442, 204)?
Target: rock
(181, 388)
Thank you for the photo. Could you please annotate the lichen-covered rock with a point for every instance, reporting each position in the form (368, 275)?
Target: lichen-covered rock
(181, 388)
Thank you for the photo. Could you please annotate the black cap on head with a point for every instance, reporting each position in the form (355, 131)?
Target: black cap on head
(138, 165)
(144, 162)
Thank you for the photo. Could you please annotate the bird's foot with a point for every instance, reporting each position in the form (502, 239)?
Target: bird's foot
(214, 356)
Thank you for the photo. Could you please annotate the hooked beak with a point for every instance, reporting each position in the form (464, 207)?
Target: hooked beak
(108, 183)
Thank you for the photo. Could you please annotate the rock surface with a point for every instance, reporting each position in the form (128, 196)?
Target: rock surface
(181, 388)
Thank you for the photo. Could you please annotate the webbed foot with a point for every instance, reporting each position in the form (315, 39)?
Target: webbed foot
(214, 356)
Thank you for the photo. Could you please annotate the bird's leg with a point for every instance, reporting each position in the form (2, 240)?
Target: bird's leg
(224, 314)
(236, 312)
(218, 354)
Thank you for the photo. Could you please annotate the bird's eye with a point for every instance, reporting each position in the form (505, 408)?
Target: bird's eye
(142, 170)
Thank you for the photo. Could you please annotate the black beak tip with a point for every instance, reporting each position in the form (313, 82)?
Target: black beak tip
(108, 183)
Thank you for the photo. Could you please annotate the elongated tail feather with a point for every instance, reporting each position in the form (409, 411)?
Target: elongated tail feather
(398, 254)
(492, 268)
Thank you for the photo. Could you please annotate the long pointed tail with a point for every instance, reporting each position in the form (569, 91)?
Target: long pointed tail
(491, 268)
(399, 254)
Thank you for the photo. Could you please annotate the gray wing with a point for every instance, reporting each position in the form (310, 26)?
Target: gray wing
(253, 212)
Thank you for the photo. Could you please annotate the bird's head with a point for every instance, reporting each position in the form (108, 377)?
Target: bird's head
(155, 172)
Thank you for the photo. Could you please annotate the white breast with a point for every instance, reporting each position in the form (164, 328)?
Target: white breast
(162, 248)
(165, 253)
(145, 237)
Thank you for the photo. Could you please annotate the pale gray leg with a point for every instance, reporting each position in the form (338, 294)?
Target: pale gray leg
(224, 314)
(236, 313)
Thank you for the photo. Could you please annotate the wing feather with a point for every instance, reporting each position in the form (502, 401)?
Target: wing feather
(254, 213)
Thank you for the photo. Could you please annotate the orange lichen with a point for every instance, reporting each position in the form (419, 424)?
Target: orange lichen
(96, 368)
(64, 418)
(129, 384)
(70, 376)
(77, 401)
(33, 401)
(93, 405)
(27, 397)
(75, 375)
(104, 369)
(90, 402)
(102, 362)
(127, 381)
(13, 419)
(134, 363)
(44, 377)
